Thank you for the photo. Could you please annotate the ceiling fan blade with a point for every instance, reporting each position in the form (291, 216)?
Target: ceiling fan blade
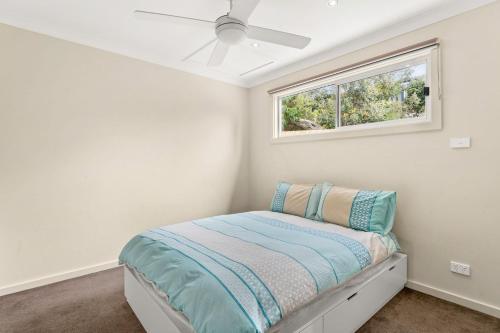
(192, 54)
(242, 9)
(278, 37)
(153, 16)
(218, 54)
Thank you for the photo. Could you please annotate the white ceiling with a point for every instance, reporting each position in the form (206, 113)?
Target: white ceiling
(110, 25)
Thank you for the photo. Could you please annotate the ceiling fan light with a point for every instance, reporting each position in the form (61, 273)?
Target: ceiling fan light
(231, 33)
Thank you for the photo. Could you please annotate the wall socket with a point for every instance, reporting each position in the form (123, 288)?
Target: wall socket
(460, 268)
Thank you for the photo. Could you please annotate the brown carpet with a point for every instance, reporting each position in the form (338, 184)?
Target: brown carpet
(95, 304)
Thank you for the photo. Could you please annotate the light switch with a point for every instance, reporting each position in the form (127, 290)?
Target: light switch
(460, 143)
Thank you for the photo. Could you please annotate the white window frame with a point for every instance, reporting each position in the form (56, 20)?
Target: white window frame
(430, 121)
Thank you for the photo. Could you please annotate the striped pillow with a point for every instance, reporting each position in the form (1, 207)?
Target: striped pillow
(300, 200)
(356, 209)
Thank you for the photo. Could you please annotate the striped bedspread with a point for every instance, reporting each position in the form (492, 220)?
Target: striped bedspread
(245, 272)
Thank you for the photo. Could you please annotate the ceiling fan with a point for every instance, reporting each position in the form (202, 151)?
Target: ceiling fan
(232, 29)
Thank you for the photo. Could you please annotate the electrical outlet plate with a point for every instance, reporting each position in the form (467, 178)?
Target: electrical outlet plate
(459, 268)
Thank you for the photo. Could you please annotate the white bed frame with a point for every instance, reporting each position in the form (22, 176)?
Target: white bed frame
(346, 311)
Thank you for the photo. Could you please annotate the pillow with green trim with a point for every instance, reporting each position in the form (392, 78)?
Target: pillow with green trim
(294, 199)
(361, 210)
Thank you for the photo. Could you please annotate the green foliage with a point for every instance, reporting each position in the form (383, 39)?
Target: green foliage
(291, 116)
(415, 102)
(390, 96)
(317, 106)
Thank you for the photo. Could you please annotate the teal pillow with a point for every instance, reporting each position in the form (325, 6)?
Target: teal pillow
(361, 210)
(295, 199)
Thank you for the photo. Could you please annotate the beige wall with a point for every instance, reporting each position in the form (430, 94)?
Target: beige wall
(447, 199)
(95, 147)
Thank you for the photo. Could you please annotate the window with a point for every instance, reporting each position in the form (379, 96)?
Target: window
(390, 96)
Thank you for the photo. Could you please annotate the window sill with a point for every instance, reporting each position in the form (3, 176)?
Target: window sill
(389, 128)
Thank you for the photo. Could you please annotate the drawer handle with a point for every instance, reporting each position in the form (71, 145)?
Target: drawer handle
(352, 296)
(390, 269)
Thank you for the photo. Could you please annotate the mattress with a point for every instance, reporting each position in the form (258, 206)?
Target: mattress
(251, 272)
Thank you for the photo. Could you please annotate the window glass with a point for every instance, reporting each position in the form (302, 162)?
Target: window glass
(390, 96)
(310, 110)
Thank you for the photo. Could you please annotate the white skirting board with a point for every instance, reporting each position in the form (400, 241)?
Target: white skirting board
(346, 311)
(489, 309)
(53, 278)
(454, 298)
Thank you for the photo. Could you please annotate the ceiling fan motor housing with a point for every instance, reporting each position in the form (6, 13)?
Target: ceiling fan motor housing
(230, 30)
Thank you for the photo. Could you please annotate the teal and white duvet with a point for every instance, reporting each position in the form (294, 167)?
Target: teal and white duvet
(245, 272)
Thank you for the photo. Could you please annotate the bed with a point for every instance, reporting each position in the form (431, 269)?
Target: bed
(260, 272)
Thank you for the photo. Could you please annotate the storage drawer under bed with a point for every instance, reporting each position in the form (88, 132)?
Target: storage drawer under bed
(362, 302)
